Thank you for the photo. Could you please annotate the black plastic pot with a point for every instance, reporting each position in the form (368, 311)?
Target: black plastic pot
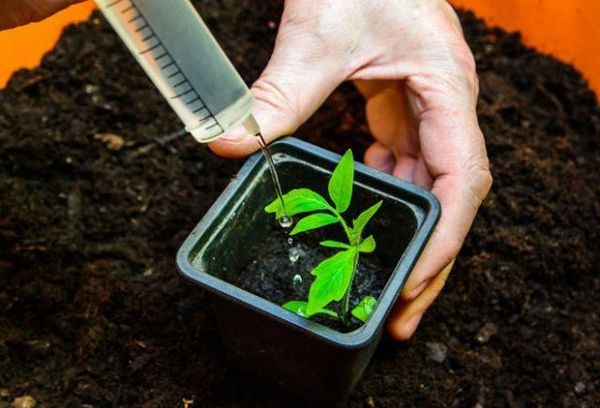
(299, 355)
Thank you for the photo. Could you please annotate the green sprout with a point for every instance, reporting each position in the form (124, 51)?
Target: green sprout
(334, 275)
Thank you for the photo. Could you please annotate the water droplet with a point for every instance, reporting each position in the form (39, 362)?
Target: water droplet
(294, 255)
(286, 221)
(297, 281)
(290, 241)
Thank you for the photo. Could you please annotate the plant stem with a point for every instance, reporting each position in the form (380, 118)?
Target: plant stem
(346, 229)
(346, 298)
(352, 240)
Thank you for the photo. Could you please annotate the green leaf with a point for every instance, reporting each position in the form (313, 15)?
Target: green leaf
(334, 276)
(363, 219)
(365, 307)
(297, 201)
(299, 307)
(340, 184)
(368, 245)
(313, 221)
(334, 244)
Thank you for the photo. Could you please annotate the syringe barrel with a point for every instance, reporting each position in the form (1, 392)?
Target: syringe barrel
(173, 45)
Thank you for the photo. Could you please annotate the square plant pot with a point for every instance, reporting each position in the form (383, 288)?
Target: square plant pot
(301, 356)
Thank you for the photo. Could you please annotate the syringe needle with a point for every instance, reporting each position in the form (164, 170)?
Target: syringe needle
(251, 126)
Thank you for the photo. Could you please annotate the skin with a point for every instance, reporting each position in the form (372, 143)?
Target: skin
(14, 13)
(410, 61)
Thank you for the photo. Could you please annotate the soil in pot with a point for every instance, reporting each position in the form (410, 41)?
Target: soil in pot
(280, 272)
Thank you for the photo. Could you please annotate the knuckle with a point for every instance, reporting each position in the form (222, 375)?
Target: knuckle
(457, 75)
(267, 91)
(466, 66)
(437, 286)
(448, 253)
(409, 295)
(481, 181)
(487, 180)
(450, 14)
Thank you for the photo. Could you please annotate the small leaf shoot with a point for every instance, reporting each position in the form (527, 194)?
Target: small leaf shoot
(368, 245)
(363, 219)
(341, 181)
(365, 307)
(334, 244)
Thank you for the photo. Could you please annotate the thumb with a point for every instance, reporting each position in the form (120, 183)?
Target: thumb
(296, 81)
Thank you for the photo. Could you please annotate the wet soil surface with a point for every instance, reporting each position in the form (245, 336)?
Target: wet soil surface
(280, 272)
(95, 200)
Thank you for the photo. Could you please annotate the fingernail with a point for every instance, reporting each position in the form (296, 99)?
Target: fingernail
(235, 135)
(410, 294)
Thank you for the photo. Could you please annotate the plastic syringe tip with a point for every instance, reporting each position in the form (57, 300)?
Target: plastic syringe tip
(251, 125)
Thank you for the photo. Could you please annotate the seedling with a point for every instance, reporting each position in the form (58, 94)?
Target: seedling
(334, 275)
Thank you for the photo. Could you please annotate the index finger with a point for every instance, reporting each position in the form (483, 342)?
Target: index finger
(461, 182)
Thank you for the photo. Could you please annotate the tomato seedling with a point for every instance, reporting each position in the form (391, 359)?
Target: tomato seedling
(334, 275)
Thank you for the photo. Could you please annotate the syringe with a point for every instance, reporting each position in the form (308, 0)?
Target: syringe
(173, 45)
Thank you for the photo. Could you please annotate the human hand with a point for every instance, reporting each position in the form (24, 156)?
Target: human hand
(14, 13)
(410, 61)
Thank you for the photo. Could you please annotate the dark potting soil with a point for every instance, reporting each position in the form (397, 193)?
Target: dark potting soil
(93, 312)
(280, 272)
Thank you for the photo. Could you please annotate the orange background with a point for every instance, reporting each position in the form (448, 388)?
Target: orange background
(24, 47)
(568, 29)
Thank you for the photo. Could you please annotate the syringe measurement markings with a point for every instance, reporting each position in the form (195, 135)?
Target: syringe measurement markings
(174, 74)
(126, 9)
(142, 27)
(188, 101)
(170, 64)
(182, 94)
(151, 35)
(134, 18)
(151, 48)
(192, 101)
(161, 56)
(114, 3)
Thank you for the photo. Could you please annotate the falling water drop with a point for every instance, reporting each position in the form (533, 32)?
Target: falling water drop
(290, 241)
(286, 221)
(297, 281)
(294, 255)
